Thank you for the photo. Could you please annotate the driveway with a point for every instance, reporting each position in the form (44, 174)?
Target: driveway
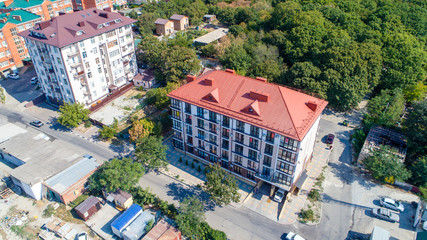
(20, 90)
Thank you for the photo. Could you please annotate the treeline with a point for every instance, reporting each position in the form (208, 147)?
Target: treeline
(341, 50)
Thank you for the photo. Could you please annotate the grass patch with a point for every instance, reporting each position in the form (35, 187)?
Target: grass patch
(24, 231)
(67, 215)
(49, 211)
(78, 200)
(127, 108)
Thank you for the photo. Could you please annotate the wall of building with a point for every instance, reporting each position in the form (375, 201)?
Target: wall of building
(49, 9)
(33, 191)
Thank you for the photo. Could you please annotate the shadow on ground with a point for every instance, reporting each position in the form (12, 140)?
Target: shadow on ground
(180, 191)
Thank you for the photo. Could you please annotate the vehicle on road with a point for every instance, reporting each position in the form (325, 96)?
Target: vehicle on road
(34, 80)
(330, 138)
(391, 204)
(37, 123)
(280, 194)
(293, 236)
(82, 236)
(13, 76)
(385, 214)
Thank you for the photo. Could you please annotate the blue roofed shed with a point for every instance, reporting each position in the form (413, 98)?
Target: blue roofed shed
(136, 229)
(125, 219)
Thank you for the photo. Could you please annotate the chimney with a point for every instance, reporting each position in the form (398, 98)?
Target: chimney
(230, 71)
(103, 14)
(61, 13)
(190, 78)
(261, 79)
(94, 11)
(208, 81)
(53, 18)
(17, 17)
(262, 97)
(81, 23)
(3, 20)
(312, 106)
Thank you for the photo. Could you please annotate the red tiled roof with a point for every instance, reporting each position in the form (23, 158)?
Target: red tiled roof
(177, 17)
(270, 106)
(161, 21)
(62, 30)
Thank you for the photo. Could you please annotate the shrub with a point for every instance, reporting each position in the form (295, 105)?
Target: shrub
(180, 159)
(138, 96)
(127, 108)
(307, 215)
(192, 165)
(149, 225)
(88, 124)
(48, 211)
(314, 195)
(186, 162)
(199, 169)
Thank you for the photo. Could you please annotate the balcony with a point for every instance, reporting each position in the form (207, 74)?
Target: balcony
(83, 82)
(265, 177)
(86, 93)
(73, 53)
(75, 64)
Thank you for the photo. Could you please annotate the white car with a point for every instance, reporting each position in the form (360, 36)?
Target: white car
(13, 76)
(34, 80)
(280, 194)
(392, 204)
(293, 236)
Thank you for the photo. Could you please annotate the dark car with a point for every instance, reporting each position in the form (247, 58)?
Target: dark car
(330, 139)
(36, 123)
(385, 214)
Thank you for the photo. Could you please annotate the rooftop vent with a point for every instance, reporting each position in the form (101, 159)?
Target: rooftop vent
(190, 78)
(103, 14)
(61, 13)
(81, 24)
(262, 97)
(17, 17)
(213, 96)
(208, 81)
(230, 71)
(261, 79)
(312, 106)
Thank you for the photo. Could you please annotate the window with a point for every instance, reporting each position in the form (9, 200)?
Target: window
(288, 143)
(201, 134)
(212, 127)
(20, 49)
(200, 112)
(282, 178)
(285, 167)
(252, 165)
(224, 154)
(225, 144)
(2, 54)
(89, 75)
(239, 138)
(287, 156)
(239, 149)
(225, 132)
(270, 136)
(13, 31)
(17, 41)
(240, 126)
(201, 144)
(237, 169)
(238, 159)
(111, 33)
(253, 143)
(21, 28)
(92, 40)
(212, 149)
(175, 103)
(189, 130)
(112, 44)
(267, 161)
(177, 124)
(190, 140)
(177, 135)
(4, 64)
(251, 175)
(4, 43)
(202, 154)
(97, 60)
(268, 149)
(114, 53)
(178, 144)
(212, 138)
(87, 65)
(176, 114)
(225, 121)
(212, 116)
(49, 7)
(200, 123)
(252, 154)
(84, 54)
(254, 131)
(212, 158)
(188, 119)
(99, 70)
(187, 108)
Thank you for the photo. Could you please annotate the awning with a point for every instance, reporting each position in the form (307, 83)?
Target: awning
(27, 59)
(301, 180)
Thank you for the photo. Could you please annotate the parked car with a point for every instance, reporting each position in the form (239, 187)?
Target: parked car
(293, 236)
(37, 123)
(391, 204)
(280, 194)
(385, 214)
(81, 236)
(34, 80)
(13, 76)
(330, 139)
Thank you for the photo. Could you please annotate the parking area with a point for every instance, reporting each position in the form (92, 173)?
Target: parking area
(100, 222)
(21, 90)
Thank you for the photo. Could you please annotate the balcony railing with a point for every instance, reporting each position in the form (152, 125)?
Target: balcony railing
(266, 177)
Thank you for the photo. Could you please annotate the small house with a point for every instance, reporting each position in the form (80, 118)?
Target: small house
(164, 26)
(125, 219)
(121, 199)
(163, 231)
(88, 207)
(136, 229)
(209, 18)
(180, 22)
(145, 79)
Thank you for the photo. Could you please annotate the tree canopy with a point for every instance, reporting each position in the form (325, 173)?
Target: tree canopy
(221, 186)
(190, 218)
(71, 115)
(116, 174)
(151, 152)
(140, 129)
(415, 127)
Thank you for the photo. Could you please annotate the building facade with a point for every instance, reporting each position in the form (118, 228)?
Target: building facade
(12, 49)
(83, 56)
(99, 4)
(180, 22)
(46, 9)
(163, 26)
(257, 130)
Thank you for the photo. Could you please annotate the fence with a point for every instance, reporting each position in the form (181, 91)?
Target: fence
(111, 97)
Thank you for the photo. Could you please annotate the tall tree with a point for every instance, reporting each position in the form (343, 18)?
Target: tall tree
(419, 172)
(221, 186)
(151, 152)
(108, 132)
(386, 108)
(190, 218)
(236, 57)
(415, 127)
(140, 129)
(178, 62)
(116, 174)
(71, 115)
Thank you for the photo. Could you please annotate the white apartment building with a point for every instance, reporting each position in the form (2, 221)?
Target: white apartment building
(82, 56)
(257, 130)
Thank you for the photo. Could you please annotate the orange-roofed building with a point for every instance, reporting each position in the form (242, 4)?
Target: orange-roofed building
(258, 130)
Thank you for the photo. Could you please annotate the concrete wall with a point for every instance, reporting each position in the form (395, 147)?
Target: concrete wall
(33, 191)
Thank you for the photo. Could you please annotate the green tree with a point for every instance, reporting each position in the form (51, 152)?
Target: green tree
(140, 129)
(133, 14)
(419, 172)
(190, 218)
(71, 115)
(151, 152)
(221, 186)
(384, 164)
(236, 57)
(146, 24)
(108, 132)
(116, 174)
(386, 108)
(415, 127)
(415, 92)
(178, 62)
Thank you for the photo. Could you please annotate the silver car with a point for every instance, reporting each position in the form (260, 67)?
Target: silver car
(392, 204)
(385, 214)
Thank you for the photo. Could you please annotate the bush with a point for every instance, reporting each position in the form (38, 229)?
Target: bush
(199, 169)
(48, 211)
(192, 165)
(149, 225)
(186, 162)
(180, 159)
(127, 108)
(314, 195)
(138, 96)
(307, 215)
(212, 234)
(88, 124)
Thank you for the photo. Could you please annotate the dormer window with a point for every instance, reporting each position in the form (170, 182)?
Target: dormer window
(78, 33)
(100, 26)
(250, 110)
(117, 20)
(107, 24)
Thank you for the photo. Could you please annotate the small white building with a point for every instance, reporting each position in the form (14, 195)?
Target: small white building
(79, 56)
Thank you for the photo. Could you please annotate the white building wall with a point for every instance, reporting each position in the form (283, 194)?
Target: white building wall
(34, 191)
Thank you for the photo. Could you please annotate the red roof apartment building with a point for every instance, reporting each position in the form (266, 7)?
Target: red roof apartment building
(44, 8)
(257, 130)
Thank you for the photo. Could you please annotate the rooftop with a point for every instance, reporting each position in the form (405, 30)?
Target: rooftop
(212, 36)
(68, 177)
(379, 136)
(17, 17)
(75, 27)
(266, 105)
(20, 3)
(177, 17)
(87, 204)
(42, 155)
(161, 21)
(137, 228)
(162, 230)
(126, 217)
